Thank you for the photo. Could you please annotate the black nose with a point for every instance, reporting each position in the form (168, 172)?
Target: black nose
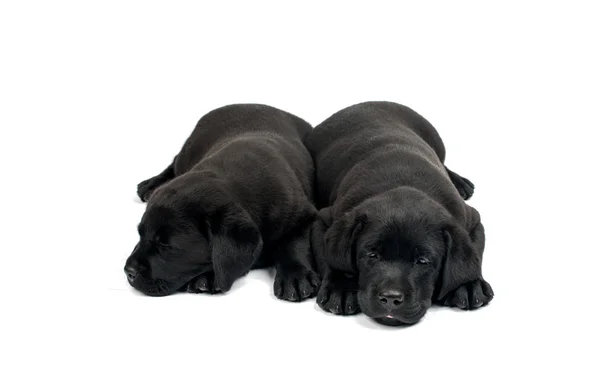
(391, 298)
(131, 272)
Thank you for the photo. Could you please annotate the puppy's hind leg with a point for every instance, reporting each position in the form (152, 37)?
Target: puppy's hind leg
(147, 187)
(464, 186)
(295, 276)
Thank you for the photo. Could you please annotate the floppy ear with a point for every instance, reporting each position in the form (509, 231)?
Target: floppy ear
(464, 254)
(236, 245)
(340, 242)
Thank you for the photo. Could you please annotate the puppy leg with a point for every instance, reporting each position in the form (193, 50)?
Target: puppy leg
(339, 294)
(147, 187)
(463, 185)
(204, 283)
(295, 278)
(317, 239)
(477, 292)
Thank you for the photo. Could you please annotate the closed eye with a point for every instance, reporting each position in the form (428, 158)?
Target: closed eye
(165, 248)
(162, 247)
(161, 241)
(166, 252)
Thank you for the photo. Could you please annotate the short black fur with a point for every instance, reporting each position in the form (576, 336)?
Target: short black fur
(238, 196)
(394, 234)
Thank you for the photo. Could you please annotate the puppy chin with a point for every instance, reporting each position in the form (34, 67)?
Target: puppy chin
(393, 321)
(157, 293)
(393, 318)
(153, 288)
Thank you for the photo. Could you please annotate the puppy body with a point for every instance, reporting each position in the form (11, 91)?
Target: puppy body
(394, 232)
(237, 196)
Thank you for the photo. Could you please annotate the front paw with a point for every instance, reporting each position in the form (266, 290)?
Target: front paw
(296, 286)
(339, 297)
(471, 295)
(204, 284)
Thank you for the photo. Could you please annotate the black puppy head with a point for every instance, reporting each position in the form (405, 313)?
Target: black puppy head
(188, 232)
(407, 252)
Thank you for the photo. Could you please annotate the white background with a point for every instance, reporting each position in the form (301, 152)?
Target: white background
(97, 96)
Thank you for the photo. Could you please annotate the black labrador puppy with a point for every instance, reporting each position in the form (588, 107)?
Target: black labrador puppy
(394, 233)
(238, 196)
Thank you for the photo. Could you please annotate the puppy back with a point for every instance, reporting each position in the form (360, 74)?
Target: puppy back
(233, 120)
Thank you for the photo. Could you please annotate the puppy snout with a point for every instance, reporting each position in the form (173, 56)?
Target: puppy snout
(391, 299)
(131, 272)
(133, 269)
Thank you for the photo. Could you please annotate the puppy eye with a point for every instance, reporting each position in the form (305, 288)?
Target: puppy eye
(161, 242)
(423, 261)
(373, 255)
(162, 246)
(165, 250)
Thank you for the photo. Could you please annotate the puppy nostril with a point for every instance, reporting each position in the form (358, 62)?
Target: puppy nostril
(391, 298)
(131, 273)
